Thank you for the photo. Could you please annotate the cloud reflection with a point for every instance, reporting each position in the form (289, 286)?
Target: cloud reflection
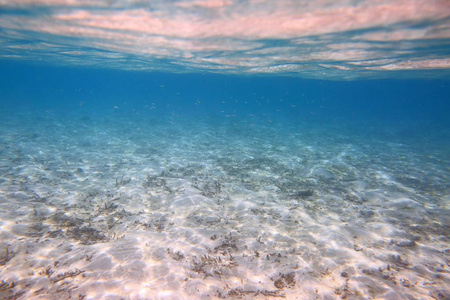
(232, 36)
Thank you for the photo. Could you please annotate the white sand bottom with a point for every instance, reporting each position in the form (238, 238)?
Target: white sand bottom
(220, 211)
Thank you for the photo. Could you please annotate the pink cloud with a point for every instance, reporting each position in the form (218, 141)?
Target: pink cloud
(229, 34)
(204, 3)
(263, 24)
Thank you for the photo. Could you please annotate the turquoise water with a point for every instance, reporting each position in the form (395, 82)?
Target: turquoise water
(224, 150)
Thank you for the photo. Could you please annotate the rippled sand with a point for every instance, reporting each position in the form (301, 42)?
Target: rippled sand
(166, 209)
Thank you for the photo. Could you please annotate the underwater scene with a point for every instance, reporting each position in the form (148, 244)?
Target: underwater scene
(225, 149)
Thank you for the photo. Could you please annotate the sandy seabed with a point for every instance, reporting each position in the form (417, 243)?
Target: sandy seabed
(115, 208)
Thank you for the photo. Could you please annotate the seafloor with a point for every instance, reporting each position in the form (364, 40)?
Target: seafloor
(118, 207)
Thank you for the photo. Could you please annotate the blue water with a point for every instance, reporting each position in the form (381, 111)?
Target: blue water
(374, 152)
(79, 90)
(193, 160)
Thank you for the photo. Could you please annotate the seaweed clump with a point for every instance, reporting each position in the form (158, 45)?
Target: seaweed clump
(87, 235)
(7, 256)
(285, 281)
